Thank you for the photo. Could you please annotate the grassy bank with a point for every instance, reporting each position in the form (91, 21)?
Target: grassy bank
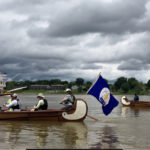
(131, 93)
(77, 92)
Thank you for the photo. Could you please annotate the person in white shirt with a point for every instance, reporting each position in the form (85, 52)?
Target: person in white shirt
(14, 103)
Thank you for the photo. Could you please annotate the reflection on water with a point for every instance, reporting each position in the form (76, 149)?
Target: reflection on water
(12, 133)
(134, 111)
(75, 135)
(126, 111)
(107, 139)
(44, 135)
(41, 133)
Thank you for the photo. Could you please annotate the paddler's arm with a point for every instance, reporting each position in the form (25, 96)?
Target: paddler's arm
(65, 98)
(13, 103)
(41, 102)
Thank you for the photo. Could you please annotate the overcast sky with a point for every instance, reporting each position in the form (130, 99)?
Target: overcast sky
(67, 39)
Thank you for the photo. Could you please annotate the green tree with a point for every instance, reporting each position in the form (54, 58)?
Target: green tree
(148, 84)
(119, 82)
(64, 82)
(79, 81)
(87, 85)
(79, 89)
(112, 87)
(133, 83)
(11, 85)
(55, 81)
(125, 87)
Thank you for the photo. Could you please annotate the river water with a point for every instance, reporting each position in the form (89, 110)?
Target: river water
(125, 128)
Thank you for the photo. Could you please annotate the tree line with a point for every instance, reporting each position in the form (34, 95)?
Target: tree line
(121, 85)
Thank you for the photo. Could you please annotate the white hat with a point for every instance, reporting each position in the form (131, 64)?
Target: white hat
(14, 95)
(40, 95)
(68, 90)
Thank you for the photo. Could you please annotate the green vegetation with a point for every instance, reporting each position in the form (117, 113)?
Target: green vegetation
(130, 86)
(122, 85)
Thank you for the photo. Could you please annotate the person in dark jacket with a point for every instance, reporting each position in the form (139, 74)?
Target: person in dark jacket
(136, 97)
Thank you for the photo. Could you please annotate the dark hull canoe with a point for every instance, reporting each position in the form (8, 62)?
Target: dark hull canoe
(132, 103)
(77, 114)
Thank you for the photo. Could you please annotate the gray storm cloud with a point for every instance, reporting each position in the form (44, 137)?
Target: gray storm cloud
(69, 39)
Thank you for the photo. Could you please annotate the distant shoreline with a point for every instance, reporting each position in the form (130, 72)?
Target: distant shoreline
(74, 92)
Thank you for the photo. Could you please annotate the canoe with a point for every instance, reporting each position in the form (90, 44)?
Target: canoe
(132, 103)
(5, 93)
(78, 113)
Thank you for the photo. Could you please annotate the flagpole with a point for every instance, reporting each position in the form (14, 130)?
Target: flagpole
(93, 82)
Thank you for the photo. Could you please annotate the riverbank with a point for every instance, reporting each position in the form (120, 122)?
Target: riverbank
(48, 92)
(77, 92)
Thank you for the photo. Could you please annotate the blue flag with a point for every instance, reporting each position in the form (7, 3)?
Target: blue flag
(101, 91)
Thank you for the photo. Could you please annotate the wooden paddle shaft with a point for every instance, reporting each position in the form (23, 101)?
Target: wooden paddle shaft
(92, 117)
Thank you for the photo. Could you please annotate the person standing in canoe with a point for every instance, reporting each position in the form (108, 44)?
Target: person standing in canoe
(13, 104)
(42, 103)
(69, 100)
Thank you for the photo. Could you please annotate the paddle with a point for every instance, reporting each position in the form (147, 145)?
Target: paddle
(92, 117)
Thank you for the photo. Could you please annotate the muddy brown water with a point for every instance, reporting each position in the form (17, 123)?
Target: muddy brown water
(125, 128)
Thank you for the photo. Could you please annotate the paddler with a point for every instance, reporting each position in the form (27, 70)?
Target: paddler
(42, 103)
(69, 100)
(13, 104)
(136, 97)
(9, 102)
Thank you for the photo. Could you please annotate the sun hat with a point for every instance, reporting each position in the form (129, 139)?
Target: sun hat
(40, 95)
(68, 90)
(14, 95)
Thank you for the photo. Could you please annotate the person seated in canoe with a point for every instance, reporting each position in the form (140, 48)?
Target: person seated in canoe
(42, 103)
(69, 100)
(13, 103)
(136, 97)
(9, 101)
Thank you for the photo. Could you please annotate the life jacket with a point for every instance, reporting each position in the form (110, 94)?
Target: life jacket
(15, 107)
(73, 101)
(8, 102)
(73, 98)
(44, 106)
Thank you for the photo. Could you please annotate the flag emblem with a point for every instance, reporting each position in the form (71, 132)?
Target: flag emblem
(104, 96)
